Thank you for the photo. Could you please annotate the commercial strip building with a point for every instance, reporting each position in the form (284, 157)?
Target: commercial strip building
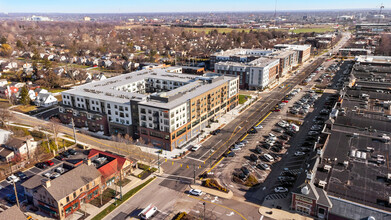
(164, 107)
(353, 52)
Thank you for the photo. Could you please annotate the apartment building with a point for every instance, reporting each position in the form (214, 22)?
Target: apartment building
(238, 55)
(152, 104)
(303, 50)
(257, 74)
(62, 196)
(288, 60)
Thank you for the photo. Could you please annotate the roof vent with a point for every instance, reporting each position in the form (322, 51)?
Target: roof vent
(305, 190)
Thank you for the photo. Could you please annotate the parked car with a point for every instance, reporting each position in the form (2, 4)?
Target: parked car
(217, 131)
(195, 147)
(12, 179)
(284, 137)
(258, 149)
(245, 171)
(41, 165)
(268, 157)
(60, 157)
(280, 189)
(49, 163)
(65, 154)
(263, 166)
(258, 127)
(72, 152)
(59, 170)
(54, 175)
(195, 192)
(299, 153)
(252, 131)
(21, 175)
(253, 157)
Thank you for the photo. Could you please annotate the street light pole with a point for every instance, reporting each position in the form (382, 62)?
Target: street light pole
(204, 208)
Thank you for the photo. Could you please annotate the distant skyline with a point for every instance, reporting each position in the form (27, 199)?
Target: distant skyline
(141, 6)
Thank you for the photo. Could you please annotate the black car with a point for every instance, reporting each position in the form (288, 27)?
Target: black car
(284, 137)
(253, 157)
(258, 149)
(72, 152)
(240, 175)
(266, 146)
(41, 165)
(60, 157)
(252, 131)
(21, 175)
(245, 171)
(215, 131)
(65, 154)
(276, 149)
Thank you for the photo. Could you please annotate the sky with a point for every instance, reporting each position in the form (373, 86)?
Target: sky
(141, 6)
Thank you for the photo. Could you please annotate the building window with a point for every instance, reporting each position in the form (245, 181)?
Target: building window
(88, 186)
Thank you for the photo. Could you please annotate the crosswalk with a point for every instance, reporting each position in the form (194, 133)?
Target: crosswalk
(276, 196)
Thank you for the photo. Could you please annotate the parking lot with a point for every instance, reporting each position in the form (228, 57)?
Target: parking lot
(286, 148)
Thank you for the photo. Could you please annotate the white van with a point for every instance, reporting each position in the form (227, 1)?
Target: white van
(268, 157)
(148, 212)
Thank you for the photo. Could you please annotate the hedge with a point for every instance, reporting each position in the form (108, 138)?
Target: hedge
(125, 197)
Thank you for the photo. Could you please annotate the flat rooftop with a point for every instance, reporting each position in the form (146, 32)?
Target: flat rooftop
(293, 46)
(241, 52)
(260, 62)
(374, 59)
(115, 88)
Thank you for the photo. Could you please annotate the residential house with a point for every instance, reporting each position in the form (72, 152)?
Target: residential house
(112, 167)
(22, 147)
(62, 196)
(95, 77)
(27, 68)
(45, 100)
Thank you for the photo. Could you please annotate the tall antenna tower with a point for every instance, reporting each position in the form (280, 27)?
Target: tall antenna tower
(275, 12)
(381, 8)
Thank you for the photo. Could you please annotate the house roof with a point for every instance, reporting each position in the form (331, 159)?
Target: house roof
(71, 181)
(34, 182)
(121, 160)
(4, 152)
(13, 213)
(15, 143)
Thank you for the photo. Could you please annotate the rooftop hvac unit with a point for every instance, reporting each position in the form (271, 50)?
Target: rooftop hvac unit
(353, 153)
(364, 155)
(322, 183)
(358, 154)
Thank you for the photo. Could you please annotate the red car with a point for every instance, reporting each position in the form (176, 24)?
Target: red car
(276, 110)
(49, 163)
(286, 101)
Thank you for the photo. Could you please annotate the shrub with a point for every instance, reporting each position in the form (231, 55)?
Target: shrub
(37, 134)
(213, 184)
(180, 216)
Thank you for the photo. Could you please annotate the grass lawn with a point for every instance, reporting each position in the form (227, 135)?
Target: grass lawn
(316, 30)
(25, 108)
(243, 98)
(78, 66)
(107, 195)
(124, 182)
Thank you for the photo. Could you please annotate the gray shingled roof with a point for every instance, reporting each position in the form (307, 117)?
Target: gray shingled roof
(13, 213)
(72, 181)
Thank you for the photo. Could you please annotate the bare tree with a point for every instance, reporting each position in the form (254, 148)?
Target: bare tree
(5, 117)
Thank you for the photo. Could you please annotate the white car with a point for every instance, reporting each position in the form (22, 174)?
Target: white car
(240, 145)
(280, 189)
(54, 175)
(195, 147)
(195, 192)
(48, 175)
(12, 179)
(258, 127)
(282, 124)
(272, 135)
(299, 153)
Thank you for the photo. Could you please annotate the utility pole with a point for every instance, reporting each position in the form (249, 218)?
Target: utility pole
(16, 194)
(74, 130)
(204, 208)
(158, 161)
(194, 169)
